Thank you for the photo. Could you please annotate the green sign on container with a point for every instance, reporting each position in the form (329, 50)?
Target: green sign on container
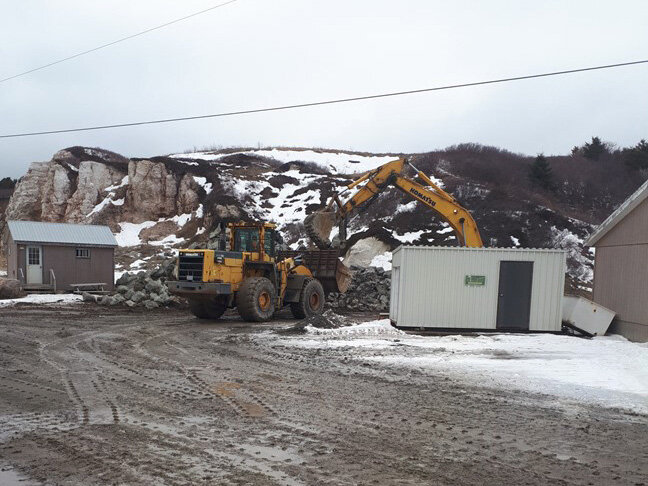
(475, 280)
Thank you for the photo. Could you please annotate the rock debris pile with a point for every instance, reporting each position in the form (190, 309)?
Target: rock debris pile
(146, 289)
(369, 291)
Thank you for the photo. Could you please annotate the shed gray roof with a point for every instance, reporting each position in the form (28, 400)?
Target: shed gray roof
(62, 233)
(621, 212)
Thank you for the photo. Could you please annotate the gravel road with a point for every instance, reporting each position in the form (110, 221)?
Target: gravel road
(92, 395)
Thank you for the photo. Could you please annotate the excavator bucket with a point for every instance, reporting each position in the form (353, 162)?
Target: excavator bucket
(318, 227)
(326, 267)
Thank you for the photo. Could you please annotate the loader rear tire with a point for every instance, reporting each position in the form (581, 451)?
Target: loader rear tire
(311, 300)
(256, 299)
(207, 309)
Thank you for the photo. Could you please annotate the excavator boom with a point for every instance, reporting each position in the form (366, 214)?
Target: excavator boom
(319, 224)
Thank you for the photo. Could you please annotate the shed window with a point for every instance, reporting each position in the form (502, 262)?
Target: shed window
(83, 252)
(33, 255)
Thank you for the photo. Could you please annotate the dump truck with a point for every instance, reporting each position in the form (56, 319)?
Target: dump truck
(369, 185)
(254, 277)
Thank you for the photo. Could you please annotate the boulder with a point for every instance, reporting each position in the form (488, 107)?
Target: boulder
(10, 289)
(149, 304)
(138, 296)
(87, 297)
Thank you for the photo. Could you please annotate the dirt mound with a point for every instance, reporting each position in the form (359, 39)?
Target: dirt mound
(327, 320)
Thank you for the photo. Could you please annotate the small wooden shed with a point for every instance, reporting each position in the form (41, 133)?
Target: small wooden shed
(57, 256)
(621, 265)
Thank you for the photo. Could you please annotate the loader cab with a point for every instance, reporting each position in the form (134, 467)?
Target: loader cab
(259, 238)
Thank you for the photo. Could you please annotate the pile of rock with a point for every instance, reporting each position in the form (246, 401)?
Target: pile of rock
(147, 289)
(369, 291)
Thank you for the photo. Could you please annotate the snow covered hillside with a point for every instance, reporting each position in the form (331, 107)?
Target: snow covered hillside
(157, 204)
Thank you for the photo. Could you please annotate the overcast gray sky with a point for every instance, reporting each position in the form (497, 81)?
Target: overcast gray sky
(257, 53)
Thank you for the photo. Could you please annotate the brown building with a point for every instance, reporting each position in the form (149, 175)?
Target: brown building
(621, 265)
(57, 256)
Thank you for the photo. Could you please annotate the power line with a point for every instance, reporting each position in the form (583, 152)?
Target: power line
(326, 102)
(103, 46)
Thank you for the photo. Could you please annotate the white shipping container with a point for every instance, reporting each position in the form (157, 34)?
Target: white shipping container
(477, 288)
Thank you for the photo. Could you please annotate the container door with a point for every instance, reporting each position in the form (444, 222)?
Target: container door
(394, 300)
(514, 301)
(34, 265)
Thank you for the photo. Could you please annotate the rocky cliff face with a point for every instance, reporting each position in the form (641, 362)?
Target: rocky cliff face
(157, 204)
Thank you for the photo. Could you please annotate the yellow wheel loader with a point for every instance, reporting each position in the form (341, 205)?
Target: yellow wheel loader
(255, 277)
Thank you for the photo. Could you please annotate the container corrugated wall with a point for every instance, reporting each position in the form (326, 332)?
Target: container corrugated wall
(429, 289)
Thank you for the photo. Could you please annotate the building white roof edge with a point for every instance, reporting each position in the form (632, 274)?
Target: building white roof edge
(618, 214)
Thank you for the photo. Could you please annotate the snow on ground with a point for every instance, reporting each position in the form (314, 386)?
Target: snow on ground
(607, 370)
(202, 182)
(335, 162)
(410, 236)
(129, 234)
(382, 261)
(285, 206)
(170, 240)
(43, 299)
(516, 241)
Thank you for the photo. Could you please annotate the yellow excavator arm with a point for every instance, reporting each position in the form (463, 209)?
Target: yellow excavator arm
(319, 225)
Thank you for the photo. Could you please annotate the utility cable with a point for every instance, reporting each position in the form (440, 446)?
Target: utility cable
(326, 102)
(103, 46)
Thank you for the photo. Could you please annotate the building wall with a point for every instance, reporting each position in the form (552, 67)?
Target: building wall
(69, 269)
(428, 288)
(621, 274)
(12, 259)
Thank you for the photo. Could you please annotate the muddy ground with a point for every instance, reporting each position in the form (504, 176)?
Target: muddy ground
(91, 395)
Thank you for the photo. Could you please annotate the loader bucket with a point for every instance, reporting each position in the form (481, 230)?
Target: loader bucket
(318, 227)
(326, 267)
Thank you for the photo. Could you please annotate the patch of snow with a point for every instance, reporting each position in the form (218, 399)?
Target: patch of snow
(129, 233)
(608, 370)
(335, 162)
(43, 299)
(202, 182)
(409, 237)
(168, 241)
(516, 241)
(405, 208)
(124, 182)
(382, 261)
(3, 273)
(380, 327)
(447, 229)
(72, 167)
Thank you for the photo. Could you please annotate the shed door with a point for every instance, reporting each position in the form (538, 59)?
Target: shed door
(514, 301)
(34, 265)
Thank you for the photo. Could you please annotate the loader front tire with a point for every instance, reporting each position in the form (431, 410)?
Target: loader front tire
(311, 300)
(256, 299)
(207, 309)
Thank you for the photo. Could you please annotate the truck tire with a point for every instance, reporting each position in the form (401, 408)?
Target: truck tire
(311, 300)
(207, 309)
(256, 299)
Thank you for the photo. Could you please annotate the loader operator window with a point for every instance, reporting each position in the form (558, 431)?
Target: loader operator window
(247, 239)
(269, 242)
